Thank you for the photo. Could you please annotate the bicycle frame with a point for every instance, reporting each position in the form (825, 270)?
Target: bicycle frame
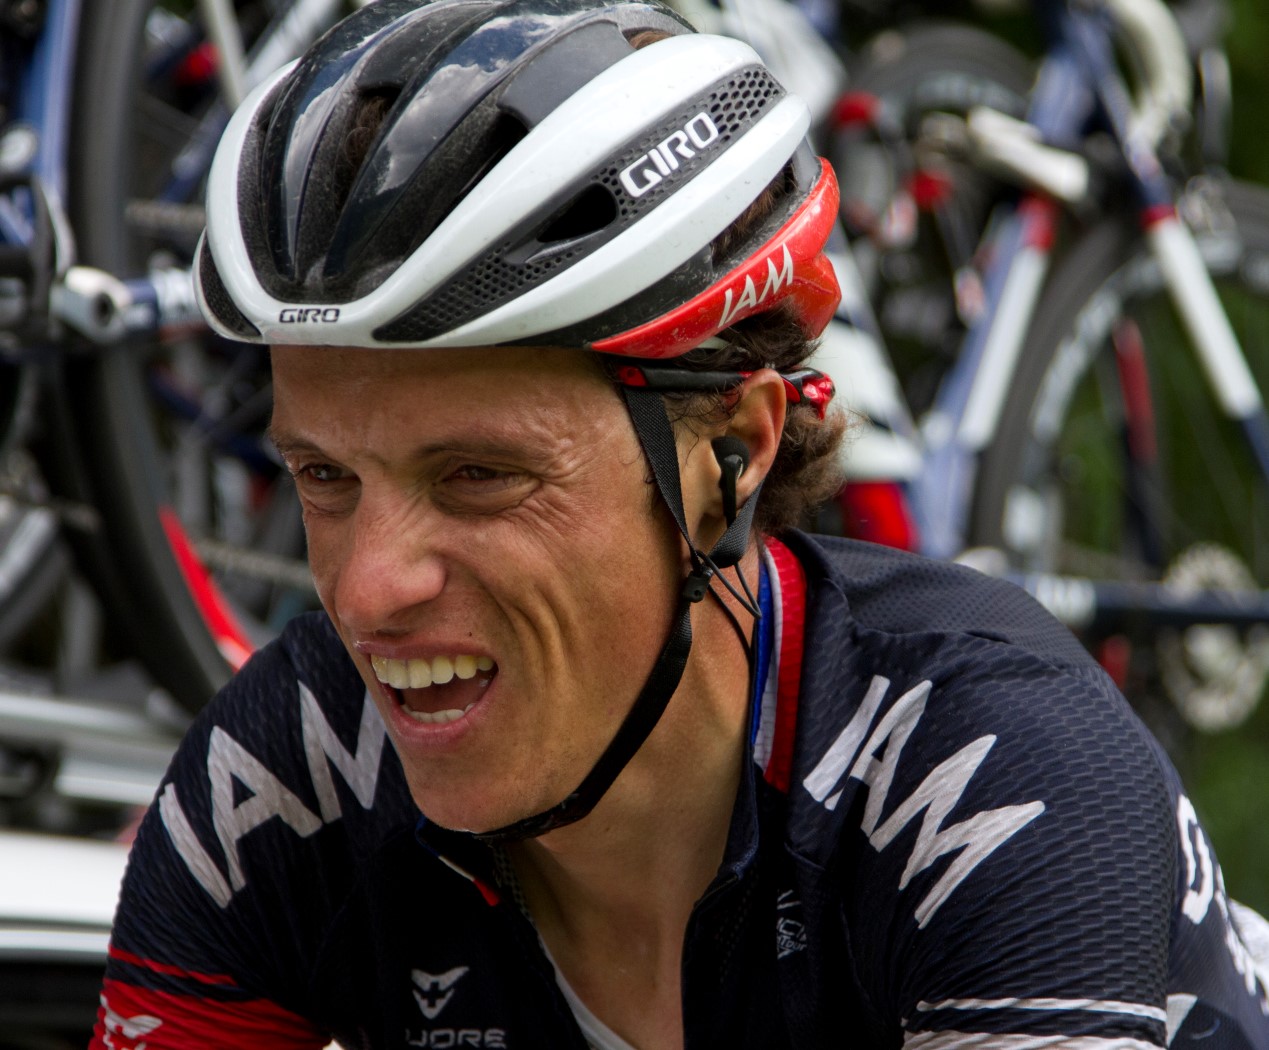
(43, 106)
(93, 303)
(1078, 83)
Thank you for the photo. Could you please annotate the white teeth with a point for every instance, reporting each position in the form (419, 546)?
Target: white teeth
(398, 674)
(442, 670)
(437, 717)
(419, 674)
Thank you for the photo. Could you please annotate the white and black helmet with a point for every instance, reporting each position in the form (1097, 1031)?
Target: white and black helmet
(499, 203)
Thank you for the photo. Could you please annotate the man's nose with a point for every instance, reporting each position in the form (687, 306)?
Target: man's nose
(392, 569)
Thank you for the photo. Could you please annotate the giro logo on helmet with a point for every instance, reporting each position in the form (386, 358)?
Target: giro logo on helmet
(652, 167)
(309, 315)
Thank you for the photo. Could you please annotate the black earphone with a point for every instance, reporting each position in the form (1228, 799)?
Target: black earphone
(733, 457)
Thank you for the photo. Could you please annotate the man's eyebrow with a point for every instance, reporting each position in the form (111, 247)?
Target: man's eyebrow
(288, 443)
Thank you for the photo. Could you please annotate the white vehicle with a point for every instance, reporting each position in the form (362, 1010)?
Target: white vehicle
(57, 900)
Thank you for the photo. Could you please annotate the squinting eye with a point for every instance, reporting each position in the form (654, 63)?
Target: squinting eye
(319, 472)
(473, 473)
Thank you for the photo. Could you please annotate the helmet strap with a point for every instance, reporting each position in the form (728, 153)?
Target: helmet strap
(656, 436)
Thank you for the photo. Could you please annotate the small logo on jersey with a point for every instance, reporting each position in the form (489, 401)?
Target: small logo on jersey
(125, 1033)
(790, 931)
(433, 992)
(309, 315)
(667, 155)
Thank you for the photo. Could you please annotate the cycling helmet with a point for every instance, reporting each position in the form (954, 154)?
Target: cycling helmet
(499, 203)
(537, 172)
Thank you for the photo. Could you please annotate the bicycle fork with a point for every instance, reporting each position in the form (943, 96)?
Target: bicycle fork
(1190, 285)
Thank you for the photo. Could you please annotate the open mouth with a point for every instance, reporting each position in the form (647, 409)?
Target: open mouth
(439, 690)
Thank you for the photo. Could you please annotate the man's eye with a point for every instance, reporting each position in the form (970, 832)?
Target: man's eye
(471, 472)
(317, 472)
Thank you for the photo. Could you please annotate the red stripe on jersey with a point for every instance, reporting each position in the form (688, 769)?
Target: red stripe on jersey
(169, 969)
(792, 581)
(131, 1017)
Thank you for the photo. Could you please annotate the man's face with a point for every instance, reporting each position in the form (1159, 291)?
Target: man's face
(481, 519)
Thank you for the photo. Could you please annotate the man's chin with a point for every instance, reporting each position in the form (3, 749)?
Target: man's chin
(472, 816)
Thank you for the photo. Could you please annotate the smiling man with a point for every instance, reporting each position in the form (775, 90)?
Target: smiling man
(591, 747)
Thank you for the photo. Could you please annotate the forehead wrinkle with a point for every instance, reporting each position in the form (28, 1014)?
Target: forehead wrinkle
(541, 404)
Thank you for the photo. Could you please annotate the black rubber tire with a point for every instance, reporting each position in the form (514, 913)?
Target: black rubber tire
(1111, 270)
(116, 441)
(925, 69)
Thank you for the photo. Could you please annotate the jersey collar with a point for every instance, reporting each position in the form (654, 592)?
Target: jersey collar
(778, 681)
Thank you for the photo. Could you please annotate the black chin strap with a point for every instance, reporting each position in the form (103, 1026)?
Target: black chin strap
(647, 410)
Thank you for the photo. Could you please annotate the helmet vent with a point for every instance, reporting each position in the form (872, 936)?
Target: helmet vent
(590, 212)
(372, 107)
(744, 97)
(218, 300)
(502, 137)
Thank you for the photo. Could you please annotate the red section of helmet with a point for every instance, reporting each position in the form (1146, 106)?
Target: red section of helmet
(790, 268)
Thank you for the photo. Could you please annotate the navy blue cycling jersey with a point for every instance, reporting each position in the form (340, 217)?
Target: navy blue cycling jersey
(953, 832)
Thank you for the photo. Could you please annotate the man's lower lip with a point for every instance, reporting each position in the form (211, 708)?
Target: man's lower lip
(413, 725)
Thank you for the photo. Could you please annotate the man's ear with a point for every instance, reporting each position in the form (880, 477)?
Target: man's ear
(741, 450)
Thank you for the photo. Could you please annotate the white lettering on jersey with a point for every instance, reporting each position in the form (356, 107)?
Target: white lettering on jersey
(229, 762)
(124, 1033)
(790, 930)
(1205, 884)
(323, 749)
(875, 764)
(1199, 881)
(450, 1038)
(976, 838)
(777, 278)
(187, 844)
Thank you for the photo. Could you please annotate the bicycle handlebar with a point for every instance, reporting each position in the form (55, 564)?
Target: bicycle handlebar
(1152, 38)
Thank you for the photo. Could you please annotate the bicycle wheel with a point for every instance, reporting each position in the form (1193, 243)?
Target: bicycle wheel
(1061, 491)
(914, 207)
(1057, 493)
(200, 550)
(1072, 484)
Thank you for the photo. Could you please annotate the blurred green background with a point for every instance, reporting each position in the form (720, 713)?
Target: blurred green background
(1227, 774)
(1248, 47)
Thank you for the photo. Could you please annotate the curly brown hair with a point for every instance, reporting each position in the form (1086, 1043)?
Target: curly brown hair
(806, 472)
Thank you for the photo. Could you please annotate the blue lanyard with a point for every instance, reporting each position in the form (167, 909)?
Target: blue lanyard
(764, 642)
